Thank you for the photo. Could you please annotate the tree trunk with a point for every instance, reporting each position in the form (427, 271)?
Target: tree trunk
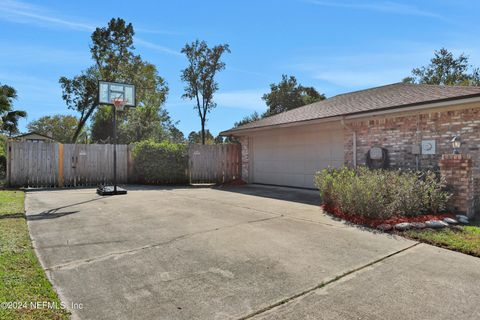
(203, 131)
(81, 124)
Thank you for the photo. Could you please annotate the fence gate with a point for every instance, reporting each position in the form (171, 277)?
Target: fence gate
(218, 163)
(42, 164)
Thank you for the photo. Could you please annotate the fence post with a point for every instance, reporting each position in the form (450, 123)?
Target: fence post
(60, 166)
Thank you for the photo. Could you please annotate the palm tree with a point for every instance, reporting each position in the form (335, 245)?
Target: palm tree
(8, 117)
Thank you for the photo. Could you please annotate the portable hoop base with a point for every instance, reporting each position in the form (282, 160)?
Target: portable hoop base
(110, 191)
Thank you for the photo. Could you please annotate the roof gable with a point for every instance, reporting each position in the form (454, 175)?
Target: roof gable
(33, 133)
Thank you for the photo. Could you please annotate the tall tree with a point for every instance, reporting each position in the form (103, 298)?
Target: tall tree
(288, 94)
(112, 50)
(9, 117)
(80, 94)
(102, 126)
(113, 54)
(176, 136)
(195, 137)
(199, 76)
(247, 119)
(219, 140)
(59, 127)
(445, 69)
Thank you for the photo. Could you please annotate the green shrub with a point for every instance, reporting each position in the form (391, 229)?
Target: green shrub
(3, 166)
(382, 193)
(3, 155)
(162, 162)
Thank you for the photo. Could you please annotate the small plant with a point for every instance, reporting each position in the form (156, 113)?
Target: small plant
(382, 193)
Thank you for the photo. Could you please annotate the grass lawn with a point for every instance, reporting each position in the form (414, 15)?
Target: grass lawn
(22, 278)
(465, 239)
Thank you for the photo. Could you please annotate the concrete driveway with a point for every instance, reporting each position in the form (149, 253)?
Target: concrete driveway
(237, 253)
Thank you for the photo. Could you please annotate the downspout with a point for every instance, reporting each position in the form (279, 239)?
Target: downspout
(354, 141)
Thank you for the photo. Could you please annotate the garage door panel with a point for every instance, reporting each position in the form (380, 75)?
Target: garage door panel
(337, 163)
(310, 153)
(291, 156)
(337, 150)
(263, 167)
(309, 180)
(292, 179)
(296, 167)
(310, 165)
(317, 166)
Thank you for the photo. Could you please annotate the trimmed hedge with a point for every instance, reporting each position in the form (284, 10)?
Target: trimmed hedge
(160, 162)
(382, 193)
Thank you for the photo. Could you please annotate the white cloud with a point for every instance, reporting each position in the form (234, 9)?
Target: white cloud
(38, 96)
(40, 87)
(254, 73)
(17, 11)
(157, 31)
(243, 99)
(23, 12)
(17, 54)
(238, 99)
(156, 47)
(361, 78)
(364, 69)
(385, 6)
(367, 69)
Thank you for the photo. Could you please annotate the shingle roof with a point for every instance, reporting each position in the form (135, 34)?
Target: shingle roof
(391, 96)
(31, 133)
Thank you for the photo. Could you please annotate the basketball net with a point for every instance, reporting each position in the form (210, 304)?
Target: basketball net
(119, 104)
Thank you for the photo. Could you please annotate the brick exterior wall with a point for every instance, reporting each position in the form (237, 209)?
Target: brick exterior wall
(399, 133)
(457, 169)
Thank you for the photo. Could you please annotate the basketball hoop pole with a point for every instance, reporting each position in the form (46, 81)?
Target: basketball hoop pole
(114, 149)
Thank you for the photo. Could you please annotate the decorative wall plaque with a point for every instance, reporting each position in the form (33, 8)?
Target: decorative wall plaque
(428, 147)
(376, 153)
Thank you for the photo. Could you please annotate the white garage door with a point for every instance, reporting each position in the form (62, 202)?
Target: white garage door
(291, 156)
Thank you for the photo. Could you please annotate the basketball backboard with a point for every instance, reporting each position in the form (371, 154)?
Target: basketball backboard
(108, 92)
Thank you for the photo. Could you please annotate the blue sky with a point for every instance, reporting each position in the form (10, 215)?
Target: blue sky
(335, 46)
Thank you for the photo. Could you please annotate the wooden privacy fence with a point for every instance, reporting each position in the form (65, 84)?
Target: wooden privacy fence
(217, 163)
(43, 165)
(48, 165)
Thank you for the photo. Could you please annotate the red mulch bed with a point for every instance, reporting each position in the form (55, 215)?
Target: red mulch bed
(234, 183)
(376, 222)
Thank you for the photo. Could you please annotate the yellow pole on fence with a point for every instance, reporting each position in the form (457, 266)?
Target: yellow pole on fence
(60, 165)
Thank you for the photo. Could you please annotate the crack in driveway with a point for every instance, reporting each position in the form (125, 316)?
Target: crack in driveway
(77, 263)
(323, 284)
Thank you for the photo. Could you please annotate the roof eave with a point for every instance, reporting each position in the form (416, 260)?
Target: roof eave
(399, 108)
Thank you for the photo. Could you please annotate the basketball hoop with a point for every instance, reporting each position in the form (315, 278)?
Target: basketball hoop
(119, 103)
(119, 96)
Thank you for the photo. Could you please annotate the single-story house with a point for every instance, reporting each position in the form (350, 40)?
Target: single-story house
(414, 124)
(33, 137)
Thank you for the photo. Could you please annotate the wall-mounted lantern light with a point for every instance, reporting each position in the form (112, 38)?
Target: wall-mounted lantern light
(456, 143)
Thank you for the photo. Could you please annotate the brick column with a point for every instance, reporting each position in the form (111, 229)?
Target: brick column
(245, 158)
(458, 172)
